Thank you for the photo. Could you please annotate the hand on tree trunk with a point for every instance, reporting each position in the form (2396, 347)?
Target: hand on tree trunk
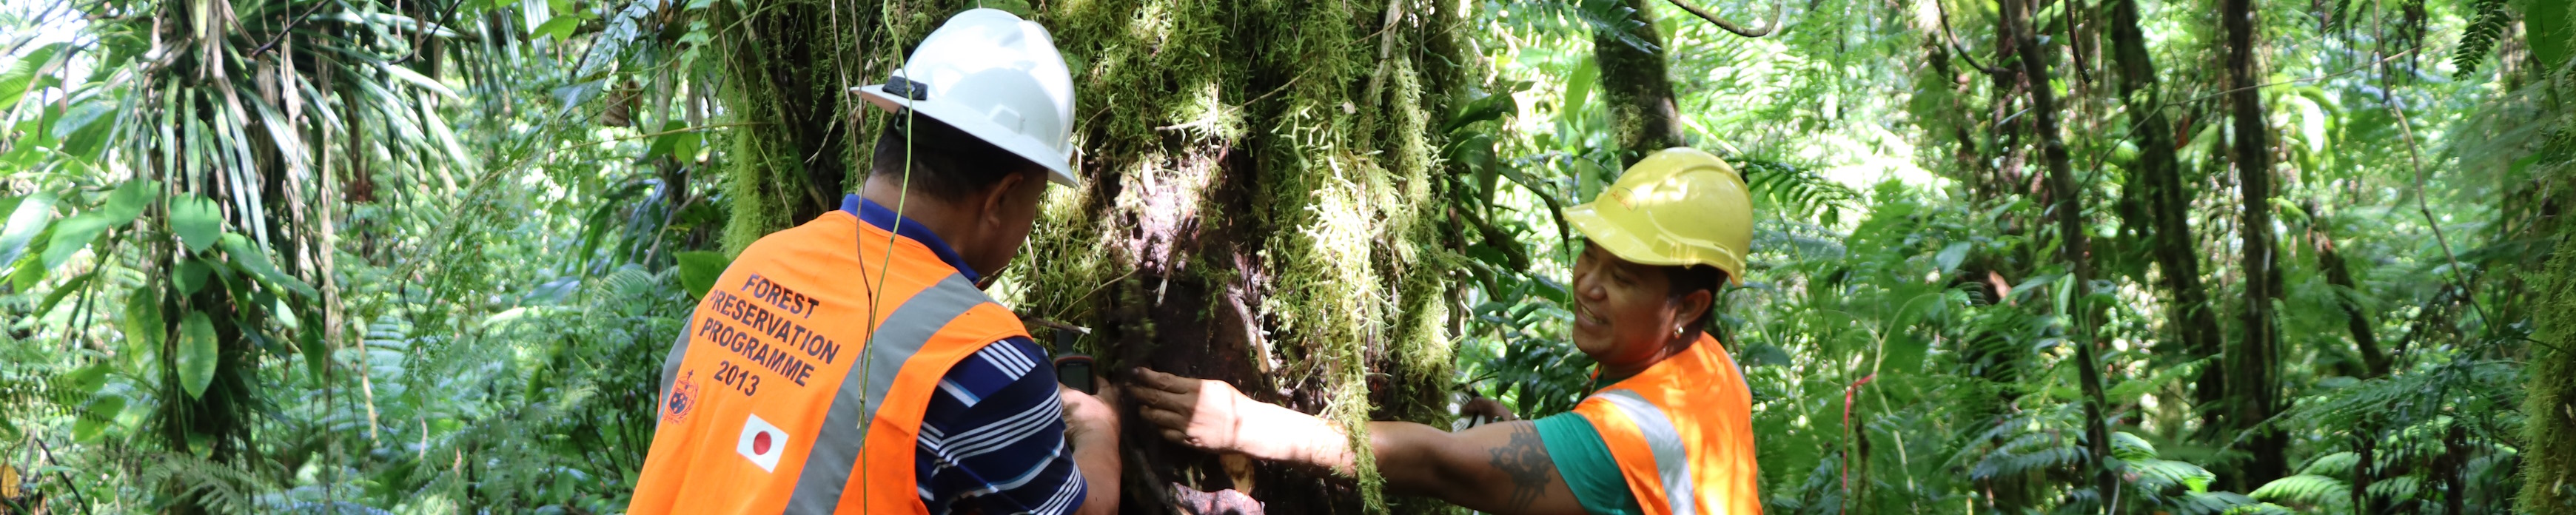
(1212, 415)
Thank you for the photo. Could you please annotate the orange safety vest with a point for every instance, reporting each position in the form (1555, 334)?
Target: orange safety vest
(801, 385)
(1682, 433)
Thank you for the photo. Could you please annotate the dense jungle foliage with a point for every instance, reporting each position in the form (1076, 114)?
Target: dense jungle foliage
(2017, 256)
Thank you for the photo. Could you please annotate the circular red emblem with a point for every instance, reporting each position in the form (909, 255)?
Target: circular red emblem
(760, 443)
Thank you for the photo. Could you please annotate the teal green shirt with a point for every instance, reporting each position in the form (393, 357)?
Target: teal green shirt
(1585, 462)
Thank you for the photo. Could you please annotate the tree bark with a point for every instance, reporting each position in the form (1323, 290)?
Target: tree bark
(2158, 175)
(1285, 241)
(2254, 381)
(1280, 235)
(2549, 458)
(2067, 202)
(1637, 87)
(2365, 448)
(2356, 317)
(787, 69)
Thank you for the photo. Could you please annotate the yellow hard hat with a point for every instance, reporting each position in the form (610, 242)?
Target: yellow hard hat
(1679, 206)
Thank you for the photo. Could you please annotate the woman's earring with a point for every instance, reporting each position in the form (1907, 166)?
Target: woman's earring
(1677, 330)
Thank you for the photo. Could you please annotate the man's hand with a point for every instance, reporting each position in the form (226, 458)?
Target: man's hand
(1195, 412)
(1091, 426)
(1086, 416)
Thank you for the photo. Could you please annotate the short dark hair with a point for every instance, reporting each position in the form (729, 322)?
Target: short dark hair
(1690, 278)
(946, 162)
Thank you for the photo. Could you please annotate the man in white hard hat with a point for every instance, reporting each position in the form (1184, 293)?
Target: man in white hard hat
(853, 364)
(1668, 428)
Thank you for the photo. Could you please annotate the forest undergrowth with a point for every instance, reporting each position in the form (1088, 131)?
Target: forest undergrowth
(2017, 256)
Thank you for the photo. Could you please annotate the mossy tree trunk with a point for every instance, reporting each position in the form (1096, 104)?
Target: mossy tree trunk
(2549, 432)
(2157, 175)
(2549, 463)
(1262, 206)
(787, 66)
(2253, 379)
(1264, 183)
(2066, 199)
(1637, 86)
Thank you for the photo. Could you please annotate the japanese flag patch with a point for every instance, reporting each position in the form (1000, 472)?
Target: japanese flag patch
(762, 443)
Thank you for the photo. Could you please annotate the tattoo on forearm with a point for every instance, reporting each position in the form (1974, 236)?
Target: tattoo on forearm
(1524, 461)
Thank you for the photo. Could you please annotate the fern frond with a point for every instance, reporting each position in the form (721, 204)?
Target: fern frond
(1799, 191)
(2156, 475)
(221, 488)
(2130, 447)
(2211, 503)
(2333, 465)
(2479, 38)
(2396, 489)
(2305, 489)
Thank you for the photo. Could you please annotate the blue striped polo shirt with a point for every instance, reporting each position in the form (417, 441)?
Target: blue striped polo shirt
(992, 438)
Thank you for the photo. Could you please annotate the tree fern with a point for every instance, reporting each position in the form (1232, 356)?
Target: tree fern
(2490, 20)
(2305, 489)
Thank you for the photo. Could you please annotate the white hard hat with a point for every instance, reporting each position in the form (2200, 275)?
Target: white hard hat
(994, 76)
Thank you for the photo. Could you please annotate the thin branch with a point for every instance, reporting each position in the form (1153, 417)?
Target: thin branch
(282, 33)
(425, 32)
(2373, 64)
(1953, 39)
(2406, 128)
(1777, 8)
(77, 497)
(2133, 126)
(34, 28)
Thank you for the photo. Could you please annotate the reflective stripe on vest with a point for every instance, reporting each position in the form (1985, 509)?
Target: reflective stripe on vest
(1681, 433)
(827, 468)
(1672, 461)
(801, 384)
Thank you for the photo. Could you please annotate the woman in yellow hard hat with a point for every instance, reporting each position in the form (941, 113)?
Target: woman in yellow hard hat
(1671, 433)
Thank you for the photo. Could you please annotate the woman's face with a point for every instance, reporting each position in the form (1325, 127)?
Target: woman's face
(1623, 312)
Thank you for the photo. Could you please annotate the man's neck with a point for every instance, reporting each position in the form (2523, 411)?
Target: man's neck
(939, 216)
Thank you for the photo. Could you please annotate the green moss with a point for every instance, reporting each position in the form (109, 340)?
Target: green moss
(2549, 464)
(1178, 99)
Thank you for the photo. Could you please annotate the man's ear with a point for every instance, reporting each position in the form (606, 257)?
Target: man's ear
(992, 203)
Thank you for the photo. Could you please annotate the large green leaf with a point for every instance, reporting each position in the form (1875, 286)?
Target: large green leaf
(316, 355)
(1578, 88)
(84, 130)
(29, 272)
(1904, 353)
(197, 220)
(250, 258)
(191, 277)
(21, 77)
(699, 270)
(1950, 256)
(66, 290)
(24, 222)
(143, 325)
(416, 79)
(97, 416)
(72, 235)
(197, 355)
(560, 27)
(2546, 27)
(1490, 107)
(128, 201)
(676, 141)
(81, 116)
